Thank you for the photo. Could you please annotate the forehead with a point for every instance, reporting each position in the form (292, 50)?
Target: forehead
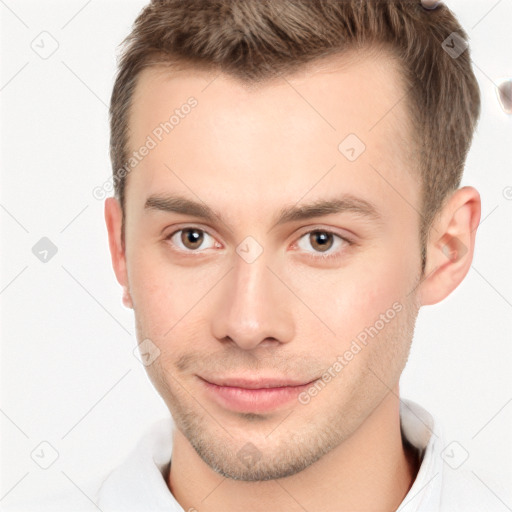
(276, 140)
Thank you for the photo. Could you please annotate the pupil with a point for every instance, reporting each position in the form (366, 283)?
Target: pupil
(322, 236)
(192, 237)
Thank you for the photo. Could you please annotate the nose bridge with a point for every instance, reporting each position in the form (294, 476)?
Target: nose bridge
(253, 308)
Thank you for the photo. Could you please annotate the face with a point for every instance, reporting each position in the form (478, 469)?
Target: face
(249, 295)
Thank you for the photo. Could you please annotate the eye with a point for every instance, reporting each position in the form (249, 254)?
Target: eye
(194, 240)
(191, 239)
(322, 241)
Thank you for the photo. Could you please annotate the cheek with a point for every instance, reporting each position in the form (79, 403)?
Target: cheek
(163, 293)
(354, 298)
(151, 287)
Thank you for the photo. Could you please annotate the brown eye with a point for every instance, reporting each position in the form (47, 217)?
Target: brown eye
(321, 240)
(325, 244)
(190, 240)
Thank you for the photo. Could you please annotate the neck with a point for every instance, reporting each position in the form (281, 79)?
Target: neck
(371, 470)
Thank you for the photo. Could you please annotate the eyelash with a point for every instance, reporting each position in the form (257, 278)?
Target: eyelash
(321, 257)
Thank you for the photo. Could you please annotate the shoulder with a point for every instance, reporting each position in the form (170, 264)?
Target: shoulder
(72, 500)
(65, 502)
(468, 489)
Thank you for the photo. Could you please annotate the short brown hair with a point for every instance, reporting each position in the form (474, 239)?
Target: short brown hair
(258, 40)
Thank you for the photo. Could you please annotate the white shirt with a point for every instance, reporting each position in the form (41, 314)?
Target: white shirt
(444, 482)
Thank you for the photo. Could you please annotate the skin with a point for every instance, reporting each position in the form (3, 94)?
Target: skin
(248, 152)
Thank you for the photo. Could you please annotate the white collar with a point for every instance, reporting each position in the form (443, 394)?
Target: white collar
(419, 429)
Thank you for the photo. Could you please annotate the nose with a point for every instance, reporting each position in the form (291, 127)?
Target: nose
(254, 307)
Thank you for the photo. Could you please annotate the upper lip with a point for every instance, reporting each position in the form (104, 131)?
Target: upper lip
(256, 382)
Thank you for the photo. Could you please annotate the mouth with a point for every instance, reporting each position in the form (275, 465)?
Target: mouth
(259, 394)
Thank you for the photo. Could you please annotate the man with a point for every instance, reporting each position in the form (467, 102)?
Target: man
(287, 197)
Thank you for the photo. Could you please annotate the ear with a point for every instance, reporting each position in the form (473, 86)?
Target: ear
(113, 219)
(451, 245)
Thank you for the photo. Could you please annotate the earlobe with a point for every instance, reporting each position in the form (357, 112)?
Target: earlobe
(113, 220)
(451, 245)
(127, 299)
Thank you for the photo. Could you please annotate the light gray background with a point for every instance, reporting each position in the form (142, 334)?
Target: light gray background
(69, 376)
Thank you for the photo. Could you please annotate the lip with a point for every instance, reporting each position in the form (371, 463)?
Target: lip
(254, 395)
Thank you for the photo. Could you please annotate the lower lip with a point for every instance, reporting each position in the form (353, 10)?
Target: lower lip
(253, 400)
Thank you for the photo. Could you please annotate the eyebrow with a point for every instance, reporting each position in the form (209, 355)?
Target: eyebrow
(320, 207)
